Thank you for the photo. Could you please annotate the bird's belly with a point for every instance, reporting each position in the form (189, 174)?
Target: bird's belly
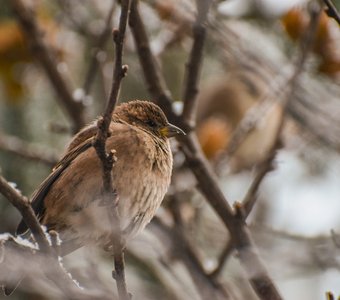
(137, 209)
(91, 224)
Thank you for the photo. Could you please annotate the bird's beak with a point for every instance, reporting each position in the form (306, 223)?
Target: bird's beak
(171, 130)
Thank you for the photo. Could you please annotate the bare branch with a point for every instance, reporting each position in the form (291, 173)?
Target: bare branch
(329, 296)
(182, 248)
(23, 205)
(19, 260)
(15, 145)
(207, 286)
(55, 271)
(43, 55)
(320, 119)
(246, 206)
(240, 236)
(258, 276)
(154, 80)
(108, 159)
(195, 61)
(266, 165)
(101, 40)
(222, 259)
(332, 11)
(74, 19)
(263, 169)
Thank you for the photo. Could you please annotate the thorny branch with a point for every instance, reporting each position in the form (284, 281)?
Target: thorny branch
(108, 159)
(44, 56)
(258, 276)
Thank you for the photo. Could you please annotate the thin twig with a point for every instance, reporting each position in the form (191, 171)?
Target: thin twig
(335, 239)
(23, 205)
(332, 11)
(235, 50)
(207, 286)
(20, 260)
(246, 206)
(240, 236)
(21, 148)
(99, 44)
(289, 90)
(258, 277)
(154, 81)
(262, 170)
(195, 62)
(278, 90)
(329, 296)
(166, 40)
(222, 259)
(108, 159)
(75, 19)
(43, 55)
(55, 272)
(254, 115)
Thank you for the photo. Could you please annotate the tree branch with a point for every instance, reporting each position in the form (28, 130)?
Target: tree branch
(155, 82)
(14, 145)
(19, 260)
(99, 44)
(222, 259)
(245, 207)
(108, 159)
(258, 276)
(194, 64)
(24, 207)
(43, 55)
(332, 11)
(207, 286)
(54, 272)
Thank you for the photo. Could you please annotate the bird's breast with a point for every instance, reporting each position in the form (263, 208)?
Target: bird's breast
(142, 186)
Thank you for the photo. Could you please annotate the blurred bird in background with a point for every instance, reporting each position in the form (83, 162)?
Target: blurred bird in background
(222, 104)
(325, 46)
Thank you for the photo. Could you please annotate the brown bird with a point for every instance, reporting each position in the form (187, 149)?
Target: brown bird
(222, 104)
(69, 201)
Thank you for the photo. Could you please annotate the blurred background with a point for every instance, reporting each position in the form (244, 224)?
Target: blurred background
(251, 46)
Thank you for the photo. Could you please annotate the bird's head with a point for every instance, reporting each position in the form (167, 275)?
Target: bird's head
(147, 116)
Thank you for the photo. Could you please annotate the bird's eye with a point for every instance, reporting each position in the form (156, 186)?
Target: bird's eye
(151, 123)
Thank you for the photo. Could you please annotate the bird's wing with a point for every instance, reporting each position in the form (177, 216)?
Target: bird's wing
(39, 195)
